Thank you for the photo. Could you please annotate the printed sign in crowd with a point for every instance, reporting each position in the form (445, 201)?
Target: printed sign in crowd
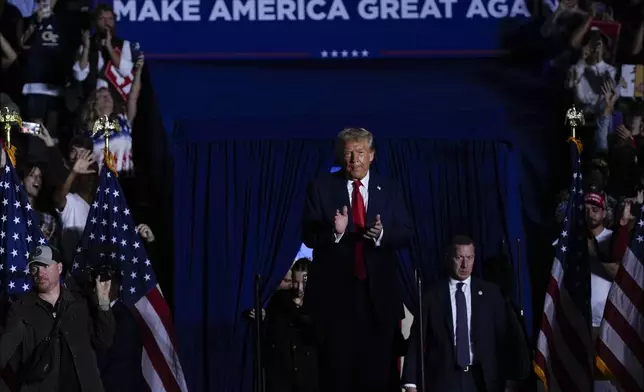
(318, 28)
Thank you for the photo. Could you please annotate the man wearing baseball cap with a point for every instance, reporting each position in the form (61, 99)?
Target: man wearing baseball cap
(50, 333)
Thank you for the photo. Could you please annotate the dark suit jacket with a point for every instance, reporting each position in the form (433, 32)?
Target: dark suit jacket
(120, 365)
(331, 276)
(488, 338)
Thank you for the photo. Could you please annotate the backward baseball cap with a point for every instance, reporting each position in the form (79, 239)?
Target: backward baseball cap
(45, 255)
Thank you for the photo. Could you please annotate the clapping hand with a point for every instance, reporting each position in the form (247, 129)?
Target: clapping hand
(145, 232)
(623, 133)
(373, 232)
(103, 290)
(341, 220)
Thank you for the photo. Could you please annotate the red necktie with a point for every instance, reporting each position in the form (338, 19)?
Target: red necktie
(359, 218)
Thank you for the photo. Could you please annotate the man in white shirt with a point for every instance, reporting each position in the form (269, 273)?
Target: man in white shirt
(465, 324)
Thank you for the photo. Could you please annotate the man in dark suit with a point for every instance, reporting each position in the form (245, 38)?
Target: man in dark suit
(355, 221)
(465, 332)
(120, 365)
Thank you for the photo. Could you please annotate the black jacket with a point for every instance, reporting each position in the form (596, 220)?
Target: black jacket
(83, 327)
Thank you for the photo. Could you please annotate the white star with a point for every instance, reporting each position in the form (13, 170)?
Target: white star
(16, 204)
(28, 207)
(563, 249)
(29, 239)
(2, 234)
(16, 220)
(564, 234)
(124, 227)
(640, 223)
(147, 262)
(126, 211)
(1, 251)
(27, 256)
(25, 287)
(12, 285)
(122, 257)
(115, 193)
(109, 175)
(76, 265)
(91, 236)
(105, 206)
(29, 223)
(355, 53)
(135, 260)
(123, 243)
(95, 204)
(93, 220)
(115, 225)
(324, 54)
(133, 275)
(42, 241)
(574, 175)
(146, 277)
(640, 238)
(79, 249)
(116, 209)
(6, 169)
(112, 255)
(15, 236)
(132, 290)
(14, 253)
(365, 53)
(6, 185)
(13, 268)
(103, 238)
(136, 245)
(107, 191)
(104, 222)
(4, 218)
(345, 53)
(5, 202)
(114, 240)
(334, 53)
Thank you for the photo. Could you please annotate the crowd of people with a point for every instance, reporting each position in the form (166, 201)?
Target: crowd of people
(67, 74)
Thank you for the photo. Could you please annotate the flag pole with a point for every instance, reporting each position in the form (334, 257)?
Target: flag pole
(519, 283)
(259, 374)
(421, 340)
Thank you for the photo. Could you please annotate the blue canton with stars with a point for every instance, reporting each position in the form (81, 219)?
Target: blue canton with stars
(572, 247)
(19, 233)
(110, 237)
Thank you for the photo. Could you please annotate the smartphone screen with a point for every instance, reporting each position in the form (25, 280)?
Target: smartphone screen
(30, 128)
(618, 119)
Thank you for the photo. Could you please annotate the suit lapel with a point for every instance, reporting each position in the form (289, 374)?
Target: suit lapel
(477, 312)
(447, 306)
(342, 196)
(376, 197)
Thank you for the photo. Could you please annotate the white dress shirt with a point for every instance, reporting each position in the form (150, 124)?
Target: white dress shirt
(364, 191)
(124, 69)
(468, 303)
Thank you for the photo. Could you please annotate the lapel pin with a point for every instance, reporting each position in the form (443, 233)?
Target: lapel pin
(378, 187)
(480, 293)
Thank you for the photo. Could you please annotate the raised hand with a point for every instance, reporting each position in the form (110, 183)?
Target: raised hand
(374, 230)
(145, 232)
(103, 290)
(341, 220)
(83, 163)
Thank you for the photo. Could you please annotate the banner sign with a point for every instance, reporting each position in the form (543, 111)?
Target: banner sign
(318, 28)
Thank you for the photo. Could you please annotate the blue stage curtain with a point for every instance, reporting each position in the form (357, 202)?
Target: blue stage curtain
(238, 212)
(450, 187)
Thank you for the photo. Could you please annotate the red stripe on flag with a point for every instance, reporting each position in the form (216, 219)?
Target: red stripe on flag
(163, 311)
(630, 288)
(160, 365)
(625, 331)
(568, 332)
(620, 372)
(564, 380)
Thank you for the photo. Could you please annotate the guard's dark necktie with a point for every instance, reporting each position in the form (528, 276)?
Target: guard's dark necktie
(359, 218)
(462, 330)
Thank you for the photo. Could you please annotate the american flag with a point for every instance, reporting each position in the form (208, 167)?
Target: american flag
(111, 232)
(620, 346)
(564, 356)
(19, 233)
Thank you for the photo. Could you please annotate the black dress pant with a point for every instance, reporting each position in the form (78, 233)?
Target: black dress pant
(356, 351)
